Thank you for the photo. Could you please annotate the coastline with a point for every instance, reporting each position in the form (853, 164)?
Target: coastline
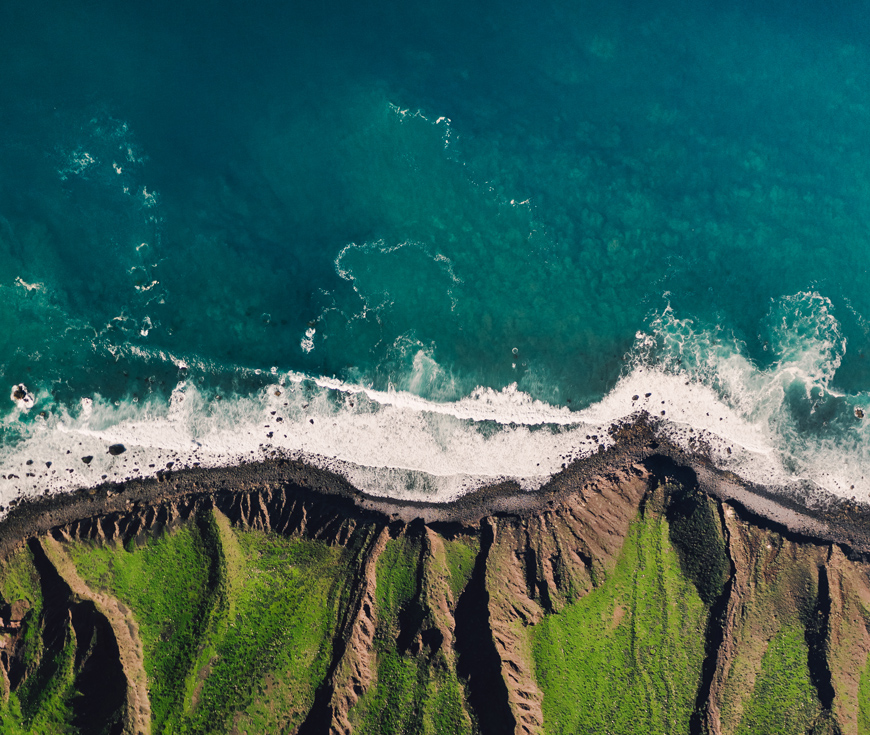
(487, 591)
(637, 447)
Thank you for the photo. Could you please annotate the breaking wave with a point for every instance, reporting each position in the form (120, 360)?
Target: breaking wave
(777, 424)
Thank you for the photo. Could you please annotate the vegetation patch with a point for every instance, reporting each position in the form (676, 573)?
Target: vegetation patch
(43, 702)
(19, 580)
(165, 582)
(784, 700)
(696, 533)
(417, 689)
(239, 630)
(275, 649)
(461, 554)
(627, 657)
(236, 625)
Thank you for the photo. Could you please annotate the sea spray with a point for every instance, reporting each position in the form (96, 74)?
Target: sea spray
(458, 244)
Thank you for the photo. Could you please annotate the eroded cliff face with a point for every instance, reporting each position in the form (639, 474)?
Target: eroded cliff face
(633, 602)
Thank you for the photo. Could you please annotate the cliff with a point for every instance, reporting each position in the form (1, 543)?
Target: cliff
(633, 594)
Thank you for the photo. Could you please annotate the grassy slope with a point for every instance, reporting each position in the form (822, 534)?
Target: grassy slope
(237, 629)
(276, 648)
(864, 702)
(165, 583)
(236, 625)
(784, 699)
(42, 704)
(769, 679)
(19, 581)
(412, 694)
(460, 555)
(627, 657)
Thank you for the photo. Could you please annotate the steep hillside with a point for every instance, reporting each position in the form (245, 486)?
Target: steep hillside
(632, 602)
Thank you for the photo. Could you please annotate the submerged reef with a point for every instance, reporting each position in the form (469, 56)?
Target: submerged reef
(641, 591)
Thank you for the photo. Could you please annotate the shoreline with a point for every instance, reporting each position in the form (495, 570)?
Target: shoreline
(815, 516)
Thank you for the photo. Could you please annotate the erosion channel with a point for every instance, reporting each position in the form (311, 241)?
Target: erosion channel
(639, 592)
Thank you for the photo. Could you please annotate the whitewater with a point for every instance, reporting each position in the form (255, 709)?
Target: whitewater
(701, 392)
(433, 248)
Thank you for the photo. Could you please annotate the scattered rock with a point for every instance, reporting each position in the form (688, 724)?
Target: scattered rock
(22, 397)
(117, 449)
(859, 413)
(88, 459)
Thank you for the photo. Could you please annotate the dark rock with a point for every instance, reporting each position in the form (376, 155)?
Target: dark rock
(88, 459)
(117, 449)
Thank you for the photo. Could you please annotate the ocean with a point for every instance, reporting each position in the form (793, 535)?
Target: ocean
(432, 246)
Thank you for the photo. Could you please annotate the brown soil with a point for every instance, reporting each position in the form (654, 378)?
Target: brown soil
(138, 711)
(539, 551)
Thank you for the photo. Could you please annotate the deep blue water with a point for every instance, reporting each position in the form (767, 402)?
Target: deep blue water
(489, 225)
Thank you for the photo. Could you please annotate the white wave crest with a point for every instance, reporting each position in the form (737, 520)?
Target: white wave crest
(774, 425)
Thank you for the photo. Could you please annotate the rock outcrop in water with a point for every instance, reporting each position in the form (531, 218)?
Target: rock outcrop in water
(625, 597)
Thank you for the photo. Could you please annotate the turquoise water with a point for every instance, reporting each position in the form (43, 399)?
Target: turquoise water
(441, 243)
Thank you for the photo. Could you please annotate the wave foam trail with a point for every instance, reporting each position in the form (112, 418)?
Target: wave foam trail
(775, 425)
(802, 428)
(376, 439)
(385, 442)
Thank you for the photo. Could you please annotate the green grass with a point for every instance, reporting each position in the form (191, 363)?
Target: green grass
(45, 706)
(237, 628)
(11, 718)
(165, 582)
(47, 702)
(43, 702)
(626, 658)
(20, 581)
(461, 554)
(864, 701)
(413, 697)
(397, 575)
(19, 578)
(393, 704)
(276, 646)
(783, 701)
(412, 694)
(696, 533)
(236, 625)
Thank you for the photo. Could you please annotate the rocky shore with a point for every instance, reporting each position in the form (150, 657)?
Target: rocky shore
(641, 586)
(809, 512)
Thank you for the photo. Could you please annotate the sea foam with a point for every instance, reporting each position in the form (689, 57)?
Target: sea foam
(698, 385)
